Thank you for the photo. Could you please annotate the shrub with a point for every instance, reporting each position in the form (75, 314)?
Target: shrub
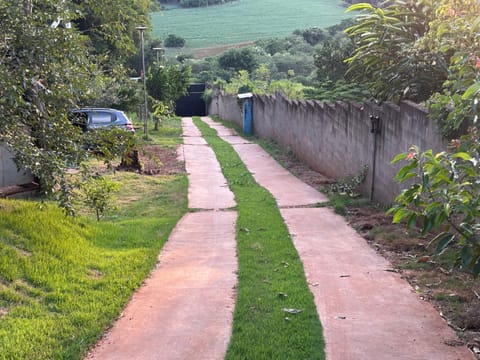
(174, 41)
(98, 194)
(444, 197)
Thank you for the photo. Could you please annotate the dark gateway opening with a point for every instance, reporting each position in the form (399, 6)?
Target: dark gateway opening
(192, 104)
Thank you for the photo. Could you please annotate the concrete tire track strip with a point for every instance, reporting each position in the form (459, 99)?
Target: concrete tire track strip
(184, 310)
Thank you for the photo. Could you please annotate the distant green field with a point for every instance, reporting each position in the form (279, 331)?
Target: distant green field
(245, 20)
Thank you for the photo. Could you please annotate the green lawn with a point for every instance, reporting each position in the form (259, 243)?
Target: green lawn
(64, 280)
(245, 20)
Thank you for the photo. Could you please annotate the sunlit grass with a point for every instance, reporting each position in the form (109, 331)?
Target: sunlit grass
(64, 280)
(168, 134)
(271, 276)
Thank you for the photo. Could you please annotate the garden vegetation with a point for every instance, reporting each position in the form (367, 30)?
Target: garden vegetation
(63, 280)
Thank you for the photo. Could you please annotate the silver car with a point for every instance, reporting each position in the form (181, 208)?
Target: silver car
(95, 118)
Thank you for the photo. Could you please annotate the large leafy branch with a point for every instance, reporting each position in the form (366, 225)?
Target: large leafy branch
(46, 68)
(429, 51)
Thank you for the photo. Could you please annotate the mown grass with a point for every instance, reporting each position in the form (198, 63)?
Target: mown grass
(271, 276)
(168, 133)
(245, 20)
(64, 280)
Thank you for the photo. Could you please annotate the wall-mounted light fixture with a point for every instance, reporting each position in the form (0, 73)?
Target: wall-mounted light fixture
(375, 124)
(375, 130)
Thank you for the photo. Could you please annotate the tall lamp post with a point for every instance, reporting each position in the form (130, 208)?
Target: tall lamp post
(145, 122)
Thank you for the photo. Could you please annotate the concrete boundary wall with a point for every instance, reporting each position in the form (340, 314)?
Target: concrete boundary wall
(9, 175)
(335, 138)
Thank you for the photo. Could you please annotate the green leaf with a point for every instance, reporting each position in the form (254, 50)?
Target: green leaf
(400, 215)
(407, 196)
(409, 176)
(466, 255)
(412, 221)
(427, 224)
(360, 6)
(432, 208)
(440, 218)
(404, 171)
(399, 157)
(472, 90)
(393, 210)
(444, 239)
(425, 180)
(463, 156)
(447, 209)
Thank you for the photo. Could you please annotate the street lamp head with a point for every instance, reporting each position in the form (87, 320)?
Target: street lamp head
(141, 28)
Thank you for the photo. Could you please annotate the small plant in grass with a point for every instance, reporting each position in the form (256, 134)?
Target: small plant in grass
(343, 192)
(339, 204)
(98, 193)
(160, 110)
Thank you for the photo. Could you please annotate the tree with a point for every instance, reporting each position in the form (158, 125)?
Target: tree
(98, 194)
(110, 26)
(45, 71)
(456, 35)
(330, 58)
(110, 31)
(388, 55)
(241, 83)
(443, 194)
(313, 36)
(166, 84)
(174, 41)
(290, 89)
(235, 60)
(444, 198)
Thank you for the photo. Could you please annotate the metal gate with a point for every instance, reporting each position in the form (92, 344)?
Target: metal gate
(192, 104)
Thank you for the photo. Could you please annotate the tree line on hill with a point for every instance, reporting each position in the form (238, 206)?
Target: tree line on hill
(201, 3)
(194, 3)
(307, 64)
(373, 2)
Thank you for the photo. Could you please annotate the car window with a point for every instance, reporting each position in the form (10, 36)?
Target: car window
(78, 118)
(102, 118)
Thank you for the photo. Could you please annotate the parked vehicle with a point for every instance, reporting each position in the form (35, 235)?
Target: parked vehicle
(96, 118)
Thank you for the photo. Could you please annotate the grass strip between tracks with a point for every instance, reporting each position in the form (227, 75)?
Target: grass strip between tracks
(271, 276)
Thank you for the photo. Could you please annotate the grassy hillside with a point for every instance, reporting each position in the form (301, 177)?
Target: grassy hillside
(63, 280)
(245, 20)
